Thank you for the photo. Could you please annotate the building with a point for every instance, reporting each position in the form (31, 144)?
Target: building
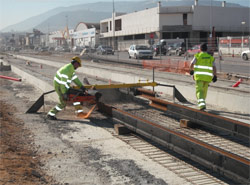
(33, 39)
(84, 34)
(195, 23)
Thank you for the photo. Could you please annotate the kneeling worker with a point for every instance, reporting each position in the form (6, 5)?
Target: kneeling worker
(62, 81)
(203, 68)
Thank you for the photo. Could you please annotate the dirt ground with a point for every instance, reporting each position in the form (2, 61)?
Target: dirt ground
(19, 162)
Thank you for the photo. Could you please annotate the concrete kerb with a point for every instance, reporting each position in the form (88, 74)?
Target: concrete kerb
(43, 86)
(217, 98)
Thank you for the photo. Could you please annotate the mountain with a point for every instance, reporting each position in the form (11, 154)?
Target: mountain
(72, 18)
(58, 18)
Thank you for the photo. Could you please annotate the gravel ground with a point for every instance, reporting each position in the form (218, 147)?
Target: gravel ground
(68, 151)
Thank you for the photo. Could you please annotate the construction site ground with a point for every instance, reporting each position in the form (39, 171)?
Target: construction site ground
(68, 151)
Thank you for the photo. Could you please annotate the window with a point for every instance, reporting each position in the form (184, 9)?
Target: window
(110, 25)
(128, 37)
(184, 19)
(118, 25)
(140, 36)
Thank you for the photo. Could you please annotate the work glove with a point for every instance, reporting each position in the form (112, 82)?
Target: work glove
(191, 72)
(65, 96)
(214, 78)
(83, 89)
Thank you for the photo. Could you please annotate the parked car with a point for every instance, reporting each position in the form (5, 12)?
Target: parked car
(195, 49)
(176, 49)
(140, 51)
(245, 55)
(104, 50)
(159, 49)
(43, 49)
(51, 48)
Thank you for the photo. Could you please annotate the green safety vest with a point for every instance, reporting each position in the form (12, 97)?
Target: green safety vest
(203, 69)
(64, 76)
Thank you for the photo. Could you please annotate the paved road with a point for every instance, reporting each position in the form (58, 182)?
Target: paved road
(233, 65)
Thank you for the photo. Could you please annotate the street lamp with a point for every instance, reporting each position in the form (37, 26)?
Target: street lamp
(243, 23)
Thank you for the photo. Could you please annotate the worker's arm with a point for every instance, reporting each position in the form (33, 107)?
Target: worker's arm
(214, 68)
(214, 72)
(77, 81)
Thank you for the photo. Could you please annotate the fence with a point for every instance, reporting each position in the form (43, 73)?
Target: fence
(170, 65)
(233, 45)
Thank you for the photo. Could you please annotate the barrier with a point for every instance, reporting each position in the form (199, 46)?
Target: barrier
(174, 66)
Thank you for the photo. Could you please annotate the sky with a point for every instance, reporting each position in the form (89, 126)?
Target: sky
(15, 11)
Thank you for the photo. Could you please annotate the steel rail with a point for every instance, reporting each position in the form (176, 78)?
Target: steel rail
(223, 162)
(235, 128)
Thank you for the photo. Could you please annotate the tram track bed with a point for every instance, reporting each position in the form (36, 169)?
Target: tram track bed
(214, 149)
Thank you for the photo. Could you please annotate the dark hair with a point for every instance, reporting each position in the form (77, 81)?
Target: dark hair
(203, 47)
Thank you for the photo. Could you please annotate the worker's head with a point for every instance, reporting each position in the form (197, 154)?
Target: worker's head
(203, 47)
(76, 62)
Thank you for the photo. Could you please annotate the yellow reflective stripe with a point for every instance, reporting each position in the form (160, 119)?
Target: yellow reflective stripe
(76, 103)
(203, 73)
(203, 67)
(62, 75)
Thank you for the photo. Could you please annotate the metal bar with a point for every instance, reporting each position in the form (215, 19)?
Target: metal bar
(113, 86)
(236, 128)
(10, 78)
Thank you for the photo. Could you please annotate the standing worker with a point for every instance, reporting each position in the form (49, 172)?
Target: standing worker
(64, 76)
(204, 70)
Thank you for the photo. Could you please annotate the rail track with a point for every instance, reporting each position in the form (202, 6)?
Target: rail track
(224, 152)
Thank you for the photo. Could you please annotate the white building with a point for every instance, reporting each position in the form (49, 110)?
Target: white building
(191, 22)
(85, 34)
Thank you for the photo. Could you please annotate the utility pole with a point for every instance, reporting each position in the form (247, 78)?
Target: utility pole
(210, 19)
(113, 25)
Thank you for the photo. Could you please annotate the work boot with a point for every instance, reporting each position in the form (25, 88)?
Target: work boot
(49, 117)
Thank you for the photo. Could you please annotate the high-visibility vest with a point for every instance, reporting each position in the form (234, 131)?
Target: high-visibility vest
(64, 76)
(203, 69)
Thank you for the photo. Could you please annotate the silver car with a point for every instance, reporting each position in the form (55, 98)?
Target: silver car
(140, 51)
(245, 55)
